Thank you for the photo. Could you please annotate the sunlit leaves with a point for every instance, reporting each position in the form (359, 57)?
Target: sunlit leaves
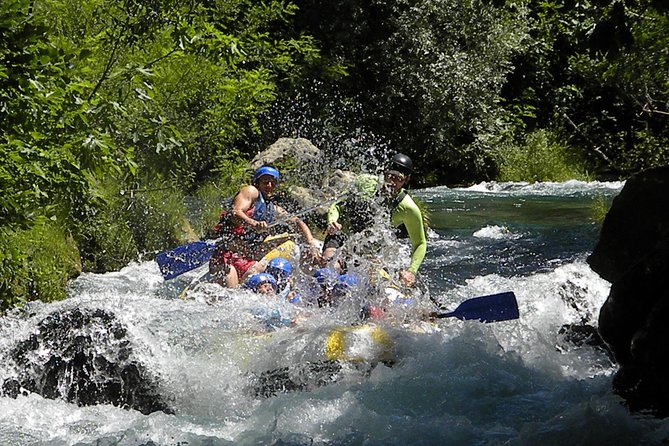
(46, 119)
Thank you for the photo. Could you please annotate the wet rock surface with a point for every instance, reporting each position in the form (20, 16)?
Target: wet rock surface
(633, 255)
(85, 357)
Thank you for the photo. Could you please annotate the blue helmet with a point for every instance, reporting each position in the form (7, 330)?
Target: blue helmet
(348, 280)
(325, 276)
(265, 170)
(279, 267)
(296, 299)
(256, 280)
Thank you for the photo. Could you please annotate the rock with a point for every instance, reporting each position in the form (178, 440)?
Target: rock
(311, 181)
(307, 161)
(637, 221)
(83, 356)
(581, 335)
(299, 150)
(303, 377)
(633, 254)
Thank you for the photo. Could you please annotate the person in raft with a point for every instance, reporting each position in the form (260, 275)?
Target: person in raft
(262, 283)
(244, 228)
(405, 215)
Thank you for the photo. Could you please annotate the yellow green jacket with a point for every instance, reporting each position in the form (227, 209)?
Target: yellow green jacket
(408, 214)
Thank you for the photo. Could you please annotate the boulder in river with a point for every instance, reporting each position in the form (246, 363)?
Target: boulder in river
(633, 255)
(85, 357)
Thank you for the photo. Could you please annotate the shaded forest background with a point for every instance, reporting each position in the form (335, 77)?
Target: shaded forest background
(114, 111)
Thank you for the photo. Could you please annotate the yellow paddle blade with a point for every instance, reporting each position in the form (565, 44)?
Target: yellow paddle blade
(278, 237)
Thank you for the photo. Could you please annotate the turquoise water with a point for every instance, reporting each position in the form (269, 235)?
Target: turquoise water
(512, 229)
(453, 383)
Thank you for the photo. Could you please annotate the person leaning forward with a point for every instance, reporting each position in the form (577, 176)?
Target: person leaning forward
(353, 214)
(244, 229)
(405, 215)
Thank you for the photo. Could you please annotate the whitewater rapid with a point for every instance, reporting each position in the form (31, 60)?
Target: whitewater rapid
(454, 382)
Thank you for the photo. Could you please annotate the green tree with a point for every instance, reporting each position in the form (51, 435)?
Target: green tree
(597, 70)
(110, 110)
(427, 76)
(49, 155)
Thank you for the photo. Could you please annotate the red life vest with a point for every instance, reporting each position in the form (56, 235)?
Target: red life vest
(226, 229)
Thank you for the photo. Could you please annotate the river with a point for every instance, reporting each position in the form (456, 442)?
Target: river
(516, 382)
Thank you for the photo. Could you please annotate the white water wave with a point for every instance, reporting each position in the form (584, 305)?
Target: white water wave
(496, 232)
(571, 294)
(566, 188)
(548, 187)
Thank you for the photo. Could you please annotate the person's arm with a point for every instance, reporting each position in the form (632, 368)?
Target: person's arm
(242, 203)
(301, 225)
(408, 213)
(333, 219)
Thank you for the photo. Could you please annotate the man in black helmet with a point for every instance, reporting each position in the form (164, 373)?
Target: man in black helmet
(405, 215)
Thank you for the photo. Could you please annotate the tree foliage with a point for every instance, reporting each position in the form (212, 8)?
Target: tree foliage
(453, 82)
(142, 92)
(112, 111)
(598, 70)
(427, 74)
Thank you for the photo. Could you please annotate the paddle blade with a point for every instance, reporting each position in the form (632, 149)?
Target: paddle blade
(492, 308)
(184, 258)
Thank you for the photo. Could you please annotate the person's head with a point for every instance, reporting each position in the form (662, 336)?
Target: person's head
(398, 172)
(345, 283)
(262, 283)
(326, 278)
(266, 178)
(279, 268)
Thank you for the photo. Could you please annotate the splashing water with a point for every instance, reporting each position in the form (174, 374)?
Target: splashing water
(451, 382)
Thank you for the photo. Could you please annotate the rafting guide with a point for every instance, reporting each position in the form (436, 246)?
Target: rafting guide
(358, 211)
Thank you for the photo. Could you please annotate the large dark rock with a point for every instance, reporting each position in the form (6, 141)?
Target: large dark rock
(633, 254)
(303, 377)
(636, 224)
(83, 356)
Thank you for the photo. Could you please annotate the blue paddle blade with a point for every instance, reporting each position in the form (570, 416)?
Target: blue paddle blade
(184, 258)
(492, 308)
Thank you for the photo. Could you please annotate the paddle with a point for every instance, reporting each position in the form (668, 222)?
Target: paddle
(492, 308)
(186, 257)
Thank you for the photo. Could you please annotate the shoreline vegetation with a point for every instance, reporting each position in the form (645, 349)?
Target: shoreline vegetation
(114, 113)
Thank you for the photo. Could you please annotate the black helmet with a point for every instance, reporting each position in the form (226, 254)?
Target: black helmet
(401, 163)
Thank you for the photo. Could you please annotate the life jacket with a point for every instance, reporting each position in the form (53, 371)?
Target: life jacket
(226, 229)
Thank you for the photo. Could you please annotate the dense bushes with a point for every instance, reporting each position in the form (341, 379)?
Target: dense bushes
(542, 156)
(112, 112)
(455, 82)
(36, 263)
(151, 97)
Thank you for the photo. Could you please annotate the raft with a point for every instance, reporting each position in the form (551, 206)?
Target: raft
(286, 249)
(344, 350)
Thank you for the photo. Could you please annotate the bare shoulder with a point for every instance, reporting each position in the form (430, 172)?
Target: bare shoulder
(248, 193)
